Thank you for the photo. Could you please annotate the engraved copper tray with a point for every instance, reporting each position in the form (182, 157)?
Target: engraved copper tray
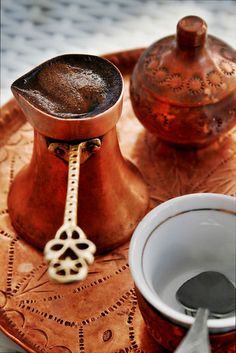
(100, 314)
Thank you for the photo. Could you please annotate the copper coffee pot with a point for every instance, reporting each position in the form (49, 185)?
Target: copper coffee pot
(112, 194)
(183, 87)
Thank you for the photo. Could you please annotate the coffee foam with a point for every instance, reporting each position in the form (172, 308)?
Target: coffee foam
(72, 89)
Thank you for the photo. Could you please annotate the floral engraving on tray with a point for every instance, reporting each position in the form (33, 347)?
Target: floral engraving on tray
(49, 318)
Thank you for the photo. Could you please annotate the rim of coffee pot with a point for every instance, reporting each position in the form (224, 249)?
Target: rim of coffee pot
(70, 128)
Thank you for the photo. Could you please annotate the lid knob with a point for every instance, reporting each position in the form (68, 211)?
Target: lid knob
(191, 31)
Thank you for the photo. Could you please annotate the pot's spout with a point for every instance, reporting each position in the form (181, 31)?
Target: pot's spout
(71, 97)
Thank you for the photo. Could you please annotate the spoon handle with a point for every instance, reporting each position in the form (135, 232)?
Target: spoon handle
(70, 214)
(70, 252)
(196, 340)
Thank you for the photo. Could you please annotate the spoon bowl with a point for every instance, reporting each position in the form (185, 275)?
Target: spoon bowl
(176, 241)
(209, 289)
(209, 292)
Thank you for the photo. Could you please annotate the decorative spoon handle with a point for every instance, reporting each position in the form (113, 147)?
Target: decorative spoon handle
(70, 252)
(196, 340)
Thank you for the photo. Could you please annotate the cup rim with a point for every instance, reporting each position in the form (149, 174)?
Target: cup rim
(141, 234)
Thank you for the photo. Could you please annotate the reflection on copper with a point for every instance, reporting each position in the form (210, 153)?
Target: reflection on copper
(183, 87)
(100, 314)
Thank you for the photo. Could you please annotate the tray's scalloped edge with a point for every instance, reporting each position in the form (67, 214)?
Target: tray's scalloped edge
(11, 335)
(12, 118)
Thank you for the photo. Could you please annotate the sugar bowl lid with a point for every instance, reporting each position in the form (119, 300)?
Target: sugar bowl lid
(190, 68)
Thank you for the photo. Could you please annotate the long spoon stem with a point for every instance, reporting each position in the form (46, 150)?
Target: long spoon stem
(196, 340)
(70, 215)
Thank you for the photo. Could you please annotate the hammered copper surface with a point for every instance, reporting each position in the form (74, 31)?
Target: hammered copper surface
(112, 195)
(99, 315)
(183, 88)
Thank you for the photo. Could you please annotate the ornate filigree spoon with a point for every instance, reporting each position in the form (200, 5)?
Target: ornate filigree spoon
(70, 253)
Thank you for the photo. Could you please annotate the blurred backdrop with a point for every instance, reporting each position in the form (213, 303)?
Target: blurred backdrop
(33, 31)
(36, 30)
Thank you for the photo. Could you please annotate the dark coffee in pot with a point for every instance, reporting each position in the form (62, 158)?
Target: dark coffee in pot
(76, 86)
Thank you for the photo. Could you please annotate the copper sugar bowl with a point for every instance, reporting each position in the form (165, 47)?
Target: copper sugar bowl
(112, 195)
(183, 87)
